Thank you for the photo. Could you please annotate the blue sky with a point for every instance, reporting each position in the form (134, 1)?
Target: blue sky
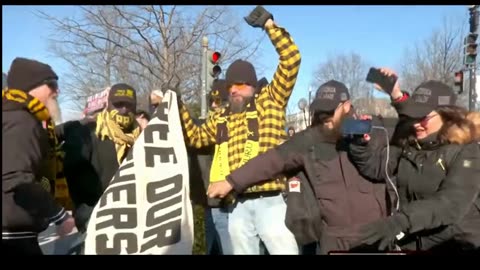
(380, 34)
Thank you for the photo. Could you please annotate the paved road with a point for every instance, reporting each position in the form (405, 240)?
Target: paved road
(52, 244)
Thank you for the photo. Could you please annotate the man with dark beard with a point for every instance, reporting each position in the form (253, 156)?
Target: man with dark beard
(28, 157)
(253, 122)
(346, 200)
(94, 152)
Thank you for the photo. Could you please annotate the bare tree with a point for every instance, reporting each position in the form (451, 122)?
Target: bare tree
(349, 69)
(146, 46)
(437, 57)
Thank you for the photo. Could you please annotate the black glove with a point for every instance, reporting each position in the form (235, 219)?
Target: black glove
(81, 215)
(258, 17)
(384, 231)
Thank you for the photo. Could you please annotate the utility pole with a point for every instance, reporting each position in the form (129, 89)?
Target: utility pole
(470, 59)
(203, 114)
(302, 105)
(473, 92)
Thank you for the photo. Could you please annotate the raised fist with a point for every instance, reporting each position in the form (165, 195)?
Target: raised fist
(258, 17)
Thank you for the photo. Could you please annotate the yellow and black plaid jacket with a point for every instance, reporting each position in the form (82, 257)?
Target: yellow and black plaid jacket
(270, 102)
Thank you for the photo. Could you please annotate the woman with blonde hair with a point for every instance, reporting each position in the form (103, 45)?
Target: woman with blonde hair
(467, 129)
(474, 117)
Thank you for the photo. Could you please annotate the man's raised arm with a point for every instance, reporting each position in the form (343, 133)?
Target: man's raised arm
(285, 77)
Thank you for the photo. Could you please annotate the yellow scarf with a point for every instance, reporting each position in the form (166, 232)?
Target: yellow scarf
(13, 99)
(107, 128)
(220, 168)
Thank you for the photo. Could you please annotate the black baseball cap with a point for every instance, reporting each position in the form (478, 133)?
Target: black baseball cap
(219, 90)
(426, 98)
(122, 92)
(328, 96)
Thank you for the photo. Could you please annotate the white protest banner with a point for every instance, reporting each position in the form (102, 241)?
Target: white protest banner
(146, 209)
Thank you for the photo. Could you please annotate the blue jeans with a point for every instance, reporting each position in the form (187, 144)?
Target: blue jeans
(260, 219)
(216, 226)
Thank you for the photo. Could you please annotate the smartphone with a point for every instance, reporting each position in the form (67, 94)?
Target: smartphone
(352, 127)
(386, 82)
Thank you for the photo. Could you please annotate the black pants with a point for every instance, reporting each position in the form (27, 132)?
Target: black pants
(309, 249)
(25, 246)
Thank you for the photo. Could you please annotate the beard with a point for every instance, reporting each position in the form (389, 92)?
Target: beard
(333, 132)
(239, 106)
(54, 110)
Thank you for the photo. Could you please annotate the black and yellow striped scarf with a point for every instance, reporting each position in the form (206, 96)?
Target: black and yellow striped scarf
(13, 99)
(108, 128)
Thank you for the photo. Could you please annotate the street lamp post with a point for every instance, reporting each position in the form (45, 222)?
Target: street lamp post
(203, 98)
(302, 104)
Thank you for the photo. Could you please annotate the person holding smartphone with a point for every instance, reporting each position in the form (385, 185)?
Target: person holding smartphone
(346, 200)
(437, 174)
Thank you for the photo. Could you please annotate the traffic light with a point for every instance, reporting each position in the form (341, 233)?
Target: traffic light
(471, 49)
(459, 81)
(213, 69)
(473, 18)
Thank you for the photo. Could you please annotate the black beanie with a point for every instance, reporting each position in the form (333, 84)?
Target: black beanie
(26, 74)
(122, 92)
(241, 72)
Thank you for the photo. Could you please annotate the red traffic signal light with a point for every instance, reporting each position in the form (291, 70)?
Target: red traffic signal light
(213, 68)
(215, 57)
(458, 77)
(458, 81)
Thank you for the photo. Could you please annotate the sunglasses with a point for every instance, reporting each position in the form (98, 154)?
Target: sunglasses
(424, 121)
(239, 86)
(122, 104)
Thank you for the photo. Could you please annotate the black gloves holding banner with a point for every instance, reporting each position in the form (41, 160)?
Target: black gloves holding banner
(82, 215)
(258, 17)
(384, 231)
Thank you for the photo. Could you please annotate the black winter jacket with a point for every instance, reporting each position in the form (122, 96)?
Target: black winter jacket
(27, 208)
(438, 186)
(346, 199)
(89, 163)
(89, 166)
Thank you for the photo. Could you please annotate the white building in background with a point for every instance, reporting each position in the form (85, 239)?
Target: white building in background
(299, 121)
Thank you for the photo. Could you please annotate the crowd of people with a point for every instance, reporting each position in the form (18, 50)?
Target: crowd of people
(269, 190)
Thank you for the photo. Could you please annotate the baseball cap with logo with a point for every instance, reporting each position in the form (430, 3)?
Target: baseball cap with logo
(122, 92)
(427, 97)
(328, 96)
